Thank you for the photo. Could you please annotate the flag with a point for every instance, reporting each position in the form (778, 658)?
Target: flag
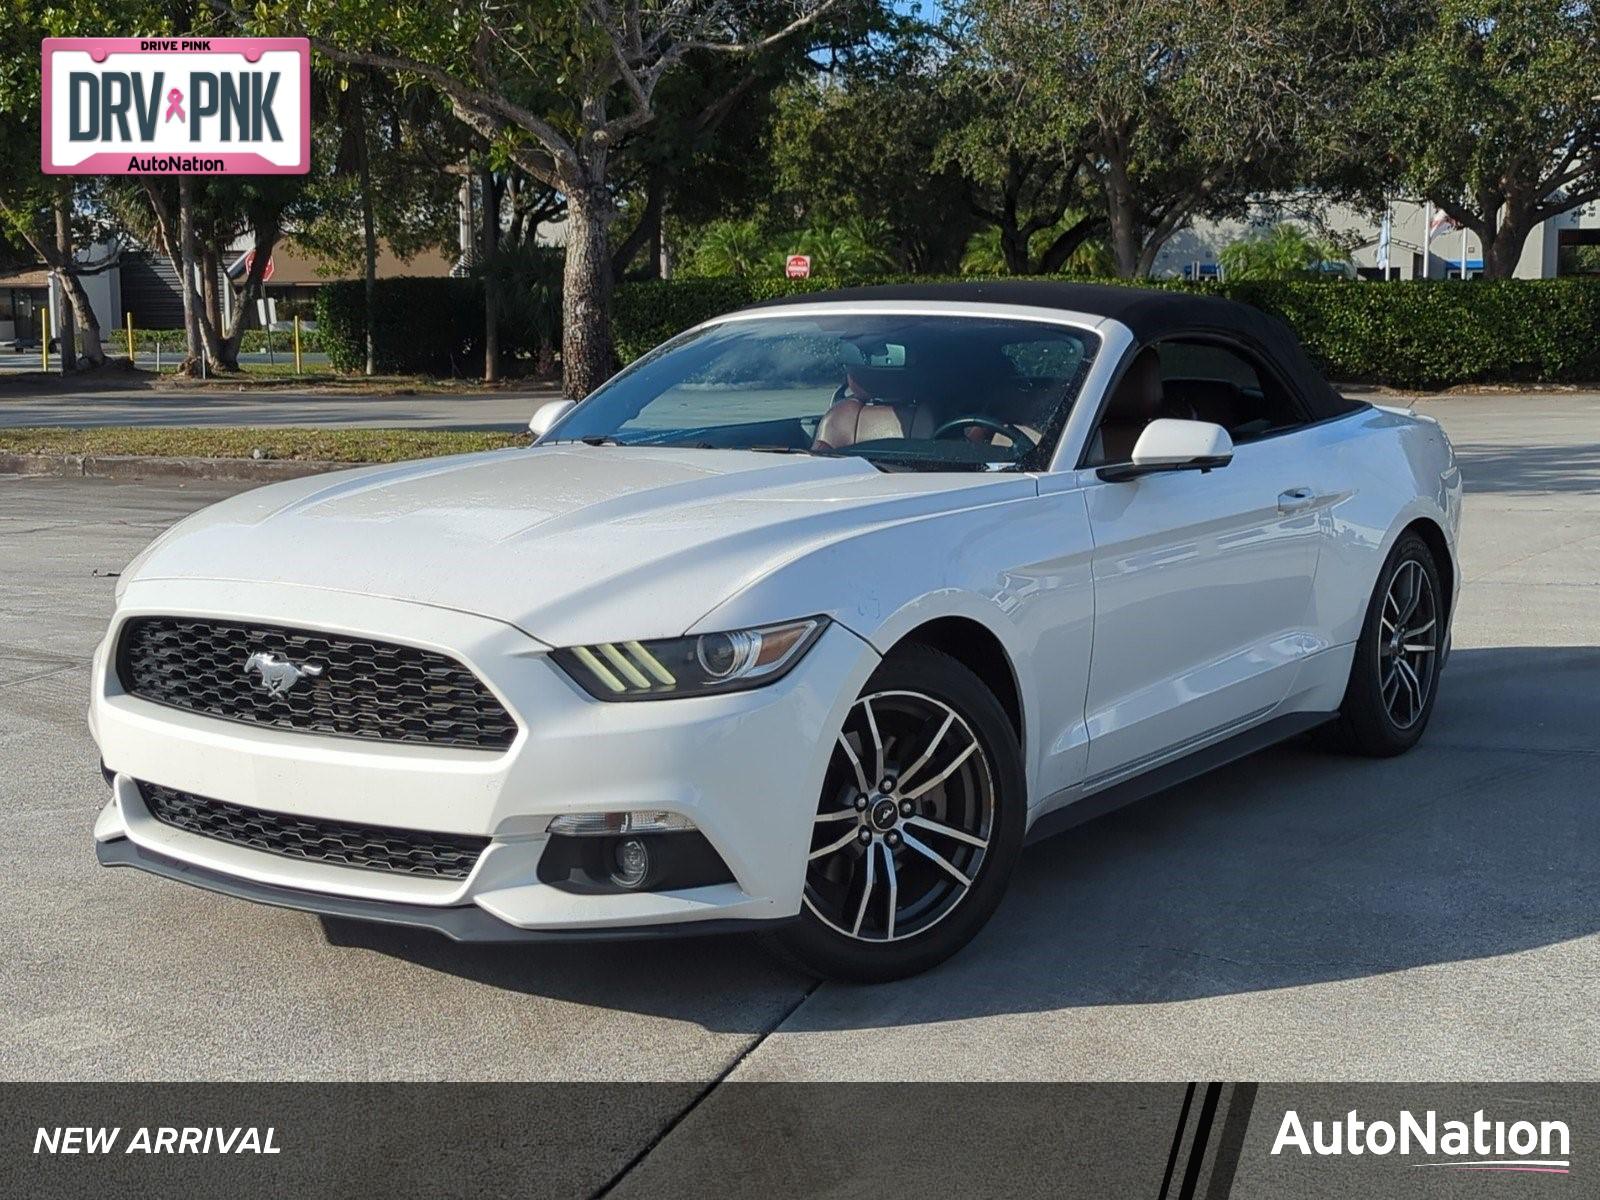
(1383, 245)
(1441, 223)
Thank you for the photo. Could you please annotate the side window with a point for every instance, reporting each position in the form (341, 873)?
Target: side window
(1208, 381)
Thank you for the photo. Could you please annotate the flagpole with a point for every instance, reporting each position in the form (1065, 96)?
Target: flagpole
(1427, 239)
(1463, 252)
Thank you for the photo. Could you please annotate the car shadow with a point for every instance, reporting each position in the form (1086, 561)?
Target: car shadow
(1508, 469)
(1295, 866)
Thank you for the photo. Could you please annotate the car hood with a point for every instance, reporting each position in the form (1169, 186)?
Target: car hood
(569, 543)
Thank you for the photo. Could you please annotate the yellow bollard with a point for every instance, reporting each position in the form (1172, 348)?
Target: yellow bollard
(44, 339)
(297, 345)
(130, 338)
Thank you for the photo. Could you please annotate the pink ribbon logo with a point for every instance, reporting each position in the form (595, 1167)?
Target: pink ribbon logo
(175, 105)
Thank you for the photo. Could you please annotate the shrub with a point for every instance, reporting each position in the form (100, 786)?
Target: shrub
(432, 326)
(252, 341)
(1406, 334)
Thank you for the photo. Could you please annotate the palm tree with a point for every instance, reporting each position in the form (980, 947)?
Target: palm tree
(854, 246)
(1091, 260)
(1283, 252)
(732, 248)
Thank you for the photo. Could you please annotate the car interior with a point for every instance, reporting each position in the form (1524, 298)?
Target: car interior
(1192, 380)
(904, 392)
(988, 398)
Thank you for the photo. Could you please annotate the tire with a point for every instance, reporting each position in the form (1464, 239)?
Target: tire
(956, 794)
(1381, 715)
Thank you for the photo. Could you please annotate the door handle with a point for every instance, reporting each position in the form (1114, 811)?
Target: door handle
(1295, 499)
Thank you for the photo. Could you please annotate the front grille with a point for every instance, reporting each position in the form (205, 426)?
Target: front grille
(365, 689)
(343, 843)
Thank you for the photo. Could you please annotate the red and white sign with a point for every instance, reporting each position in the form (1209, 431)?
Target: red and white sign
(250, 262)
(176, 106)
(798, 266)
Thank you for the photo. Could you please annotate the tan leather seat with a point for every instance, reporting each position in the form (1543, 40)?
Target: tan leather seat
(1136, 402)
(849, 421)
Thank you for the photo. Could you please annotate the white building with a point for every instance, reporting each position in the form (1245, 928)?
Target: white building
(1552, 249)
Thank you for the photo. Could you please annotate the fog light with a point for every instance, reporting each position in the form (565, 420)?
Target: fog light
(632, 861)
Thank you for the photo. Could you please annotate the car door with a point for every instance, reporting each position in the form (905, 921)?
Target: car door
(1202, 580)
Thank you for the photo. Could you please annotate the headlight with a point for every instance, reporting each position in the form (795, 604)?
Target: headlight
(697, 665)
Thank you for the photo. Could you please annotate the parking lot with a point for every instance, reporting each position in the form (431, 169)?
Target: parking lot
(1295, 916)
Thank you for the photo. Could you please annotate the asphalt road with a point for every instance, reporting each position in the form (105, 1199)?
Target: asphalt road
(1295, 916)
(508, 409)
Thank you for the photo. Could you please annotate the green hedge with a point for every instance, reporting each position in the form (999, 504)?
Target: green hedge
(432, 326)
(1406, 334)
(435, 326)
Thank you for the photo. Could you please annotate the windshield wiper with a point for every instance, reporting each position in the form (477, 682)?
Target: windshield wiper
(782, 450)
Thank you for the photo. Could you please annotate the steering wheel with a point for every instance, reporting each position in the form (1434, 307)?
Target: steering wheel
(1020, 441)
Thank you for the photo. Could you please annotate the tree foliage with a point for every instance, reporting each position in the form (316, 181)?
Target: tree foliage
(1285, 251)
(1491, 110)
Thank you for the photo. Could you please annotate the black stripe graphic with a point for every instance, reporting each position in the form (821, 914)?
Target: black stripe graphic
(1202, 1135)
(1240, 1103)
(1177, 1141)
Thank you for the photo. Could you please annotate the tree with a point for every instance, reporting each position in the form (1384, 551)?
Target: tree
(985, 253)
(864, 144)
(43, 212)
(1171, 109)
(555, 86)
(1283, 252)
(1491, 110)
(1019, 180)
(732, 248)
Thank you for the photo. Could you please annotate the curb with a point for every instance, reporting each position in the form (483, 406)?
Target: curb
(138, 466)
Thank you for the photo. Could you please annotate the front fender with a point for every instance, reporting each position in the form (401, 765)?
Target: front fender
(1020, 568)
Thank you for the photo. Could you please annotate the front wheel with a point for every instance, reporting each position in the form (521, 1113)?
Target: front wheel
(918, 827)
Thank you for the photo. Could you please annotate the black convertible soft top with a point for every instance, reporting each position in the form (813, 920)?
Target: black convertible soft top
(1149, 313)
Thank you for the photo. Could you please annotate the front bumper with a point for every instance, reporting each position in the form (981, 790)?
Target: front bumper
(745, 767)
(459, 923)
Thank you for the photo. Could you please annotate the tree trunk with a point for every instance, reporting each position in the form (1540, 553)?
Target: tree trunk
(586, 354)
(490, 236)
(1123, 223)
(253, 289)
(69, 352)
(1013, 249)
(369, 243)
(1147, 256)
(89, 324)
(646, 232)
(1504, 251)
(218, 345)
(186, 245)
(1122, 213)
(1066, 245)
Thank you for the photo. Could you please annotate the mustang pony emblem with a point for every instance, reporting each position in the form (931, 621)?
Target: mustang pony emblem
(278, 675)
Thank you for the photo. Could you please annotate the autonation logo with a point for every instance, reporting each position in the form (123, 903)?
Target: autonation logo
(1476, 1145)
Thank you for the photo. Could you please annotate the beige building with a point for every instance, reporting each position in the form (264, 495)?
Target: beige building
(1564, 245)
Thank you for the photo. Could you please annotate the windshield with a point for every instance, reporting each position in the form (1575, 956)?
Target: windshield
(905, 392)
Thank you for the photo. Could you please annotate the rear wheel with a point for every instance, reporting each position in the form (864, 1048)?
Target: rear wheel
(918, 826)
(1395, 675)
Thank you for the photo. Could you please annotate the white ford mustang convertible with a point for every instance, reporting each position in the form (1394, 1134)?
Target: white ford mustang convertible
(803, 623)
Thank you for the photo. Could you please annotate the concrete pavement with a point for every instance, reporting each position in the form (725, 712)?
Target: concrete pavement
(1297, 915)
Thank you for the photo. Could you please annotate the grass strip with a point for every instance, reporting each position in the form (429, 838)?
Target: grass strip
(310, 445)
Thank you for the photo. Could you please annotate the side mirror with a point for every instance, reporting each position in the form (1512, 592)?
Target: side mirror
(1168, 444)
(546, 415)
